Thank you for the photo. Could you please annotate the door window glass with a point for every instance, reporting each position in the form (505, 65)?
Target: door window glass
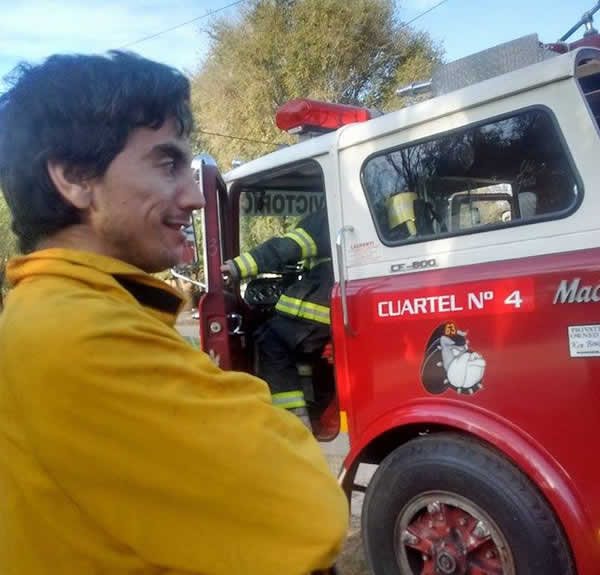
(513, 170)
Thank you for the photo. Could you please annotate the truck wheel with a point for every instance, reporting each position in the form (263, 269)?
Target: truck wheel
(447, 505)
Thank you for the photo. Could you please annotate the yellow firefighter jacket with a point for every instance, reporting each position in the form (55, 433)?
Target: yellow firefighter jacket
(124, 450)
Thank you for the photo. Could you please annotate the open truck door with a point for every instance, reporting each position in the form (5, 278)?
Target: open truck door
(221, 334)
(232, 311)
(222, 309)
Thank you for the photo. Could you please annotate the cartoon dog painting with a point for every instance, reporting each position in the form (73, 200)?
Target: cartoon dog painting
(450, 363)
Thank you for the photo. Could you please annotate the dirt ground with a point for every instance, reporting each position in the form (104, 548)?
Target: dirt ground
(352, 559)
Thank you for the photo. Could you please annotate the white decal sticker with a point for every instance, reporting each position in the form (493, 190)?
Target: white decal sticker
(363, 253)
(584, 340)
(451, 363)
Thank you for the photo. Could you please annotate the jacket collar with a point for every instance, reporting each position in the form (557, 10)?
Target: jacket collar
(102, 273)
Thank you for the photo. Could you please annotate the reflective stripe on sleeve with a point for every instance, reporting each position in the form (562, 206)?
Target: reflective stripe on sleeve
(289, 399)
(305, 241)
(304, 309)
(246, 264)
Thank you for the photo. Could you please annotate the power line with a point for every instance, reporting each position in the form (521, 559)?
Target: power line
(231, 5)
(423, 14)
(229, 136)
(151, 36)
(406, 24)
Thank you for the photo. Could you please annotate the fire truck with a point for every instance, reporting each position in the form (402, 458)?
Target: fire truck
(465, 315)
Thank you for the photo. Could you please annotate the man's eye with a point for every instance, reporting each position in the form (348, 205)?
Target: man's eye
(169, 166)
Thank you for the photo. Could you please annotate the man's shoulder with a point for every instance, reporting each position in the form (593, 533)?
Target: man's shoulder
(70, 336)
(56, 314)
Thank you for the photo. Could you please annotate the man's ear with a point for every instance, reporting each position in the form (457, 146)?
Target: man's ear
(71, 186)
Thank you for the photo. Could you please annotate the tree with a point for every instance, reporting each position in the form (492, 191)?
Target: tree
(346, 51)
(8, 242)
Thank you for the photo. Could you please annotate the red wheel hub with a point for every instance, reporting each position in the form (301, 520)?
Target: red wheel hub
(451, 541)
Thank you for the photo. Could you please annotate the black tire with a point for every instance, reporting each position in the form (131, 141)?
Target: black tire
(532, 541)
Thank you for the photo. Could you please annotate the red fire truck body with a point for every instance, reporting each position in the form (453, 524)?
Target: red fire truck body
(467, 344)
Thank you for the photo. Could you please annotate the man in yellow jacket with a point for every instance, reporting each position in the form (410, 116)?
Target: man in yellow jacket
(122, 449)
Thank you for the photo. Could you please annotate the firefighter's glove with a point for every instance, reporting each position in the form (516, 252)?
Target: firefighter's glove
(230, 271)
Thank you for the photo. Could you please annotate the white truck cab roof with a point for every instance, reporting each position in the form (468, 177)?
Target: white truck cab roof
(540, 74)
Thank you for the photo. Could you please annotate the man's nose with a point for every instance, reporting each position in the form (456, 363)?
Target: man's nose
(191, 196)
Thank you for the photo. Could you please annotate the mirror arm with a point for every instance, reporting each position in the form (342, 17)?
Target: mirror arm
(185, 278)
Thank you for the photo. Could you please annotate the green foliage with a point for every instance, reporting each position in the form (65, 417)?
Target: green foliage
(198, 231)
(255, 230)
(347, 51)
(8, 241)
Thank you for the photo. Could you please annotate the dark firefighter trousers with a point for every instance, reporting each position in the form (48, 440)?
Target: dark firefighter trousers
(281, 341)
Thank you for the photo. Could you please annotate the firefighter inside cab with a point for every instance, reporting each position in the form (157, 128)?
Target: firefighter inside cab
(290, 344)
(300, 324)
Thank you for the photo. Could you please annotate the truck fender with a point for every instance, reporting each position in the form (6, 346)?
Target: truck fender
(511, 441)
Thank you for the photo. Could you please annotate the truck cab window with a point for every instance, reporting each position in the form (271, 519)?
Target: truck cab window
(267, 211)
(513, 170)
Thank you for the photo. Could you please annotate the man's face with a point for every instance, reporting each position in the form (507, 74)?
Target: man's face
(145, 197)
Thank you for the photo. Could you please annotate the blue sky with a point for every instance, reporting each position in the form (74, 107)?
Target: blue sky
(31, 30)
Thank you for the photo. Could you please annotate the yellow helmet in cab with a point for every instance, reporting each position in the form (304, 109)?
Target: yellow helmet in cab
(401, 210)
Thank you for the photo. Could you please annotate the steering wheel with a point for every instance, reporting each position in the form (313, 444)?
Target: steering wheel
(264, 292)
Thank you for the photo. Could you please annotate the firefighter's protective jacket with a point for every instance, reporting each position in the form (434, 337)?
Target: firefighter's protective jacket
(309, 242)
(125, 450)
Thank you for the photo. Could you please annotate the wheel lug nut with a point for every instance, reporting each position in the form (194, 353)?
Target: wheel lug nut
(481, 530)
(490, 554)
(434, 507)
(462, 521)
(408, 538)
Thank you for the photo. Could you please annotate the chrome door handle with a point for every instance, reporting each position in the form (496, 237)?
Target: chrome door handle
(339, 244)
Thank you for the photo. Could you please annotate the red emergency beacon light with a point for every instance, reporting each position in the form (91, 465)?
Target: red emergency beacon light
(303, 115)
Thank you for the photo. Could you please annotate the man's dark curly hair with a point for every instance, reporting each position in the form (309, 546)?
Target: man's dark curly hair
(78, 111)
